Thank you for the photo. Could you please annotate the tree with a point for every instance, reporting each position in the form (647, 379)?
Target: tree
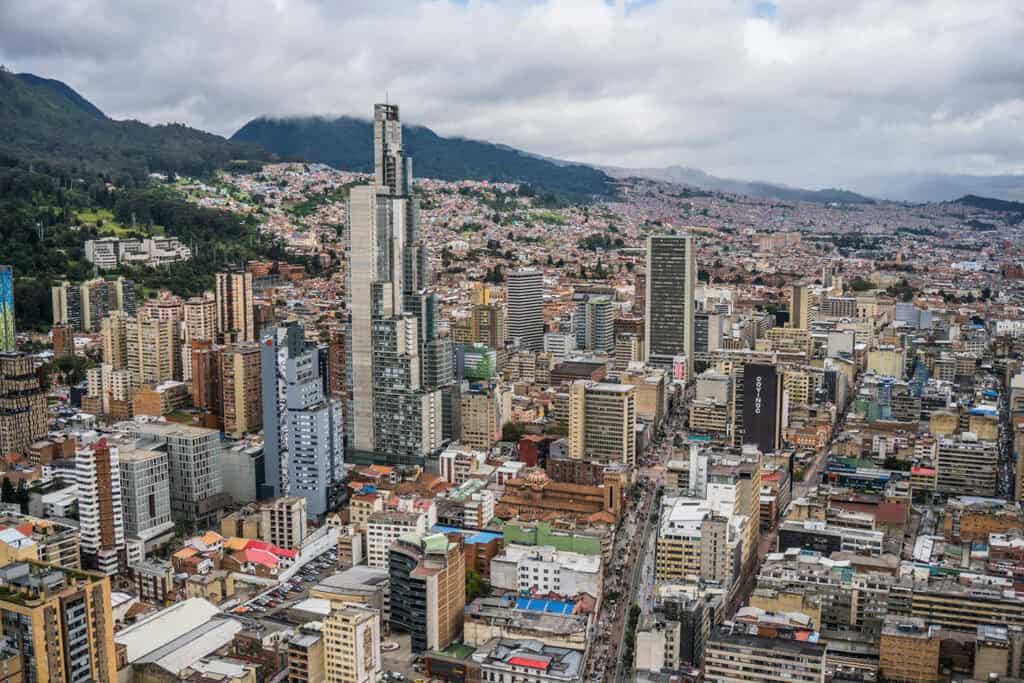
(476, 586)
(513, 431)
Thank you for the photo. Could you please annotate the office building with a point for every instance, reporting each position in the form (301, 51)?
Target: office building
(908, 651)
(526, 308)
(8, 342)
(241, 394)
(391, 413)
(735, 657)
(60, 623)
(234, 301)
(22, 403)
(98, 478)
(968, 466)
(595, 322)
(428, 589)
(670, 303)
(799, 307)
(602, 422)
(543, 570)
(352, 645)
(145, 493)
(193, 457)
(153, 350)
(303, 445)
(383, 528)
(763, 407)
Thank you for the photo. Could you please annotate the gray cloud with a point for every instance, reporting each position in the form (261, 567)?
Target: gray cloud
(822, 92)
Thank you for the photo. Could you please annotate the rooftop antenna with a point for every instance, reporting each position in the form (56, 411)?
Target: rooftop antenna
(387, 99)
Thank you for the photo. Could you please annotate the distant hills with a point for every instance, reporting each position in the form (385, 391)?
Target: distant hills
(705, 181)
(346, 143)
(46, 120)
(990, 204)
(937, 187)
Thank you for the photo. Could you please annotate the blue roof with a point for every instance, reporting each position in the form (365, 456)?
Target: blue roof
(471, 536)
(982, 411)
(539, 605)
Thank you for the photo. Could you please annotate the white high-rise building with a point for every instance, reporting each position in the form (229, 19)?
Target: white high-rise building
(670, 302)
(145, 495)
(100, 515)
(526, 308)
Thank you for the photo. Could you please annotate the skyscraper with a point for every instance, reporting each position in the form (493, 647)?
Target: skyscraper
(22, 403)
(526, 308)
(235, 318)
(154, 350)
(98, 476)
(241, 397)
(595, 322)
(670, 304)
(303, 445)
(7, 339)
(799, 307)
(391, 414)
(428, 594)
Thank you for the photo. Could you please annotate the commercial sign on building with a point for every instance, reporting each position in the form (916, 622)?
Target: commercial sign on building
(761, 406)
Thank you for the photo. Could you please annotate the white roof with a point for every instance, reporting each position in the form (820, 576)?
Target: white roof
(166, 625)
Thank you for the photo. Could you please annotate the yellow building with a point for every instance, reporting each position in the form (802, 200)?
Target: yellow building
(47, 613)
(216, 586)
(602, 422)
(787, 340)
(306, 663)
(352, 645)
(887, 361)
(908, 651)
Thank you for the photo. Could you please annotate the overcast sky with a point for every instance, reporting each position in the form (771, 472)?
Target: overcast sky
(809, 92)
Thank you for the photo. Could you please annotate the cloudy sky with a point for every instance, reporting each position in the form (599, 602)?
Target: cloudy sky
(809, 92)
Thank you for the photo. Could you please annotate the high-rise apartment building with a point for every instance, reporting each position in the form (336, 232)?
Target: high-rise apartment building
(59, 621)
(526, 308)
(595, 322)
(602, 422)
(428, 591)
(8, 342)
(352, 644)
(303, 442)
(670, 303)
(241, 395)
(234, 301)
(484, 413)
(84, 305)
(100, 512)
(391, 413)
(145, 492)
(153, 349)
(114, 330)
(22, 403)
(205, 359)
(488, 325)
(200, 318)
(194, 461)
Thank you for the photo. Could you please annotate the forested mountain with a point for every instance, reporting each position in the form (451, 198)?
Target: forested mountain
(344, 143)
(46, 120)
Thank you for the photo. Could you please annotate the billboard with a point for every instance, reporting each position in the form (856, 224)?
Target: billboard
(761, 406)
(7, 342)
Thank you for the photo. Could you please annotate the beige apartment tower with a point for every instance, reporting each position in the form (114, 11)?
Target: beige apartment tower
(352, 645)
(154, 350)
(242, 402)
(235, 317)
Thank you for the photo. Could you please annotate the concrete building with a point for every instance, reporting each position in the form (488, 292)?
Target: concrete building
(114, 331)
(235, 302)
(967, 466)
(283, 522)
(145, 494)
(60, 623)
(485, 410)
(193, 456)
(670, 303)
(392, 415)
(908, 651)
(383, 528)
(153, 350)
(307, 662)
(526, 308)
(602, 422)
(303, 432)
(731, 658)
(595, 327)
(799, 307)
(352, 645)
(428, 589)
(84, 305)
(241, 395)
(528, 659)
(98, 478)
(543, 569)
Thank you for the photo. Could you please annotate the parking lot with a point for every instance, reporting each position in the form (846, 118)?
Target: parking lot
(273, 603)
